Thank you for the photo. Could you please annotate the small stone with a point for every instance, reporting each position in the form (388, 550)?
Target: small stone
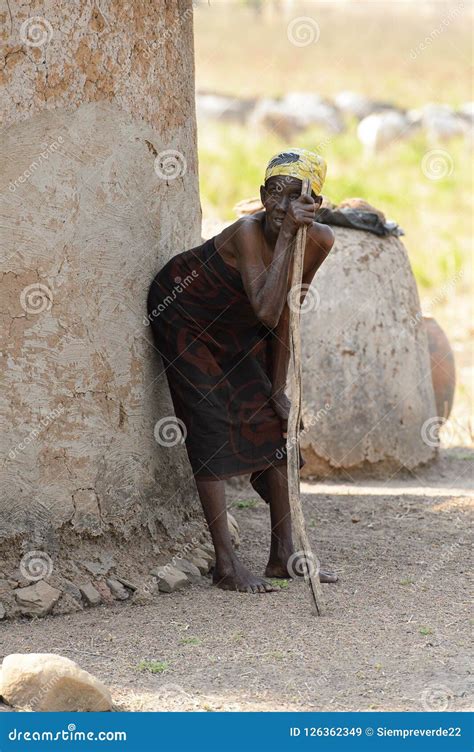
(72, 589)
(94, 567)
(3, 613)
(127, 583)
(86, 512)
(51, 683)
(170, 579)
(90, 594)
(104, 591)
(117, 589)
(202, 564)
(5, 586)
(233, 530)
(142, 597)
(99, 567)
(37, 599)
(208, 548)
(67, 604)
(199, 553)
(232, 522)
(187, 567)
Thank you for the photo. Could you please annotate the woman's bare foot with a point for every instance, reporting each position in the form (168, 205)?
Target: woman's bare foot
(278, 568)
(234, 576)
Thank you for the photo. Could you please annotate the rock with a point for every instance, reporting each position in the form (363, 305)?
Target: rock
(117, 589)
(367, 387)
(86, 512)
(208, 548)
(202, 564)
(51, 683)
(200, 553)
(5, 586)
(37, 599)
(170, 579)
(103, 590)
(187, 567)
(3, 613)
(233, 530)
(67, 604)
(99, 567)
(90, 594)
(72, 589)
(142, 597)
(127, 583)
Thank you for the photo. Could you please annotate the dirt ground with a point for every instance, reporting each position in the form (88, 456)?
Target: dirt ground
(396, 635)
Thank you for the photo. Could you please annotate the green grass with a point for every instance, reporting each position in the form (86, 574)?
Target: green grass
(425, 631)
(246, 504)
(190, 641)
(277, 582)
(153, 667)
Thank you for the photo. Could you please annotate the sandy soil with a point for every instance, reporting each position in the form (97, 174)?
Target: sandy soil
(396, 635)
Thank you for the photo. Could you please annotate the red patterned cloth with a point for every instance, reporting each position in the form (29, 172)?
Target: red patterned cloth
(217, 358)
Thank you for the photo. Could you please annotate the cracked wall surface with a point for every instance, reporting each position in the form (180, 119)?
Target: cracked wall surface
(367, 383)
(87, 219)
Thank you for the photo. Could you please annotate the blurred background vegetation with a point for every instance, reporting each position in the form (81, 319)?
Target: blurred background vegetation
(373, 49)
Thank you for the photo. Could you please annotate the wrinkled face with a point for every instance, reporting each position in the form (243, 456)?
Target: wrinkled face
(276, 195)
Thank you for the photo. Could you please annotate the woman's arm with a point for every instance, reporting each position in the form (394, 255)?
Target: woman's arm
(266, 287)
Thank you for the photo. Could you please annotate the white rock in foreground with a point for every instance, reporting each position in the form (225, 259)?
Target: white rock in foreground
(51, 682)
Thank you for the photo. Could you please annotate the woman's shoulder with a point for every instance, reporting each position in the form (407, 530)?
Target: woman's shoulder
(244, 227)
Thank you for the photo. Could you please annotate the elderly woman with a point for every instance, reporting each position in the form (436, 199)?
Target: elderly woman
(220, 319)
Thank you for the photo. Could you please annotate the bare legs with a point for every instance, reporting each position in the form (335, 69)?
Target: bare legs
(274, 483)
(229, 572)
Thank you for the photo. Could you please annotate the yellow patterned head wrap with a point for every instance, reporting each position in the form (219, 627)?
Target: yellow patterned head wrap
(300, 164)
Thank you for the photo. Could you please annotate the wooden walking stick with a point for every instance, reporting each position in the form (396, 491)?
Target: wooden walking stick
(309, 563)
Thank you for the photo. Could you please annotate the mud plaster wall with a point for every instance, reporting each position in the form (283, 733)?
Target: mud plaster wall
(86, 223)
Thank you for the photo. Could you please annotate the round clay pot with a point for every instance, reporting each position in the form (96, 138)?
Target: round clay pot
(443, 370)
